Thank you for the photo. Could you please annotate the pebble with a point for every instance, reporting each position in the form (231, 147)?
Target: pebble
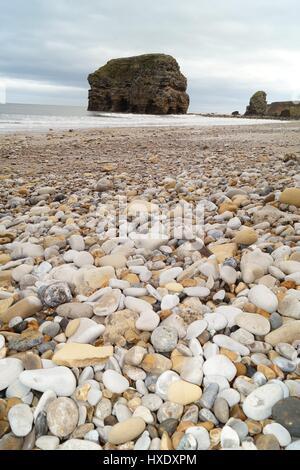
(54, 295)
(164, 339)
(259, 403)
(127, 431)
(62, 417)
(262, 297)
(20, 420)
(115, 382)
(287, 413)
(195, 329)
(253, 323)
(282, 435)
(184, 393)
(219, 365)
(229, 438)
(47, 442)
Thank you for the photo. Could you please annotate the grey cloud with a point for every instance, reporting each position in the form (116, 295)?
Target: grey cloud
(227, 49)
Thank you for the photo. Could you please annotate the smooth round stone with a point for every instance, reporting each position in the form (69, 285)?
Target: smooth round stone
(201, 292)
(76, 242)
(195, 329)
(148, 321)
(184, 393)
(164, 381)
(169, 302)
(209, 395)
(169, 411)
(243, 336)
(231, 395)
(215, 321)
(75, 310)
(19, 272)
(10, 369)
(246, 236)
(222, 382)
(262, 297)
(127, 431)
(144, 413)
(228, 275)
(62, 417)
(152, 402)
(135, 356)
(290, 307)
(291, 196)
(108, 303)
(221, 410)
(115, 382)
(47, 442)
(282, 435)
(191, 370)
(207, 415)
(83, 258)
(224, 341)
(54, 295)
(20, 420)
(137, 305)
(267, 442)
(229, 438)
(17, 389)
(239, 426)
(169, 275)
(253, 323)
(59, 380)
(287, 413)
(201, 435)
(116, 261)
(164, 339)
(287, 333)
(78, 444)
(94, 396)
(220, 365)
(259, 403)
(287, 351)
(284, 364)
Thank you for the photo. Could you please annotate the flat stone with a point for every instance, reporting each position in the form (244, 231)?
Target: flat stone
(62, 417)
(289, 306)
(79, 444)
(11, 442)
(220, 365)
(253, 323)
(89, 280)
(268, 442)
(10, 369)
(25, 308)
(223, 252)
(27, 340)
(229, 438)
(258, 405)
(164, 381)
(75, 310)
(59, 380)
(226, 342)
(20, 419)
(287, 413)
(76, 242)
(263, 298)
(82, 355)
(195, 329)
(83, 258)
(201, 435)
(148, 321)
(156, 364)
(184, 393)
(127, 431)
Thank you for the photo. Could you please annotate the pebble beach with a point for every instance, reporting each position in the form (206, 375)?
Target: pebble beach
(181, 332)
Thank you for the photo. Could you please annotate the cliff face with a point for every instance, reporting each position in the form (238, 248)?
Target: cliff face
(288, 109)
(146, 84)
(257, 105)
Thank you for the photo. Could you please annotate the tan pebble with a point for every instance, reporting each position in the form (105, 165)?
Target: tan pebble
(132, 278)
(126, 431)
(294, 257)
(81, 393)
(263, 313)
(241, 369)
(278, 372)
(246, 236)
(72, 327)
(134, 403)
(4, 428)
(150, 300)
(188, 283)
(267, 371)
(184, 393)
(222, 252)
(288, 284)
(174, 287)
(254, 427)
(176, 438)
(166, 443)
(156, 364)
(4, 258)
(227, 206)
(233, 356)
(215, 436)
(107, 394)
(291, 196)
(249, 308)
(208, 425)
(237, 412)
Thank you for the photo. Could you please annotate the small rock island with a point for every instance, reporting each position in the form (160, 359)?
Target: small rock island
(145, 84)
(258, 106)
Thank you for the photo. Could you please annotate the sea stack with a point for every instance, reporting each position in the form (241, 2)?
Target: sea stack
(145, 84)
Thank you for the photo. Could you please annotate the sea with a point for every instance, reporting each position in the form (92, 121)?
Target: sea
(40, 118)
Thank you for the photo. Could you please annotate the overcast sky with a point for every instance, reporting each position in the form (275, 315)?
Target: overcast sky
(228, 49)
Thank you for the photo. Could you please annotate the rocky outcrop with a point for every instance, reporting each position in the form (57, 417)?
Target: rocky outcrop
(146, 84)
(257, 105)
